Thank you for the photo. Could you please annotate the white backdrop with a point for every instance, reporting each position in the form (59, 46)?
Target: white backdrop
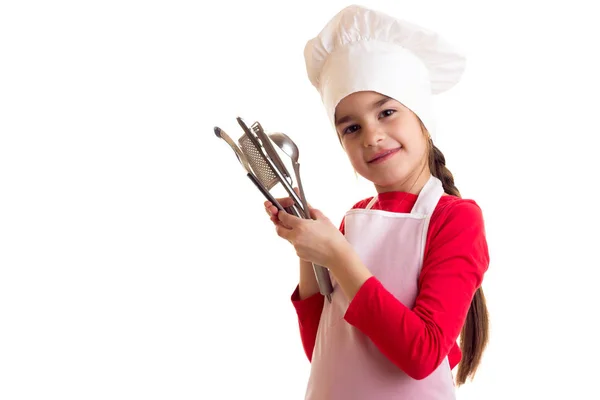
(136, 261)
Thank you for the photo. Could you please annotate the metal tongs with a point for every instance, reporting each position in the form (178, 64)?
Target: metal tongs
(265, 169)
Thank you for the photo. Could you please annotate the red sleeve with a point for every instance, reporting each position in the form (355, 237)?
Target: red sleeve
(309, 314)
(418, 339)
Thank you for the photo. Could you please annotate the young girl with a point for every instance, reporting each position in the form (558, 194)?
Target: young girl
(407, 264)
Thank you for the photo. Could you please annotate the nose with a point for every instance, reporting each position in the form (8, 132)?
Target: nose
(372, 135)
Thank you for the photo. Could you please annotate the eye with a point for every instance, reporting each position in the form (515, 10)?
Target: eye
(351, 129)
(387, 113)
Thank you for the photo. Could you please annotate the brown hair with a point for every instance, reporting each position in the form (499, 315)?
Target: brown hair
(474, 333)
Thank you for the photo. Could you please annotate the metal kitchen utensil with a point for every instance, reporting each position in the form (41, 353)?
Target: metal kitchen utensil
(244, 161)
(265, 168)
(270, 150)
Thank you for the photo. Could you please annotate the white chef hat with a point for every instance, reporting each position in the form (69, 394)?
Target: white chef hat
(366, 50)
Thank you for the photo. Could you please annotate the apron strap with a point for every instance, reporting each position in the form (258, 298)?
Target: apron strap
(429, 197)
(427, 200)
(373, 200)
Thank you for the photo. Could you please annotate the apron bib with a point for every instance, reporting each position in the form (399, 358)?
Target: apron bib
(346, 365)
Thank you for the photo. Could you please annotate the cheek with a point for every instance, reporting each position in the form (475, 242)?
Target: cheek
(355, 158)
(416, 147)
(419, 150)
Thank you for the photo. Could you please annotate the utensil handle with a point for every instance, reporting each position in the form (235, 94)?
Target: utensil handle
(323, 280)
(264, 191)
(301, 189)
(292, 210)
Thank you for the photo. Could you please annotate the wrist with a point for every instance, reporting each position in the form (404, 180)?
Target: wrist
(347, 261)
(349, 271)
(343, 255)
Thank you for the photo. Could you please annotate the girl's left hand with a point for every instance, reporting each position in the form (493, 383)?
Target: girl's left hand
(316, 240)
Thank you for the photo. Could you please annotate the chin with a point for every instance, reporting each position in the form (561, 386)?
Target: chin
(391, 178)
(398, 180)
(388, 184)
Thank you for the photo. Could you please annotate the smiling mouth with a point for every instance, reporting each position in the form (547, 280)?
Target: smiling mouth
(384, 156)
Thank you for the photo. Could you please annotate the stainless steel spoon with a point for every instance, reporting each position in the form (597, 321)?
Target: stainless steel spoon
(287, 145)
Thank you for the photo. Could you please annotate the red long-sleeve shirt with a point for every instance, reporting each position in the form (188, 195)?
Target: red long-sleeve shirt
(455, 260)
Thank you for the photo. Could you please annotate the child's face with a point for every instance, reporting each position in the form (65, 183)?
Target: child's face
(371, 125)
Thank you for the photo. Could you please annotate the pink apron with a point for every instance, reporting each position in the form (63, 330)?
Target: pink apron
(346, 365)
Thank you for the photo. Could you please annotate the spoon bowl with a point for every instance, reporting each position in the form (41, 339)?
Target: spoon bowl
(287, 145)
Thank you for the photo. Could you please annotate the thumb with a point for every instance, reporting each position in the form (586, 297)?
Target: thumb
(285, 218)
(316, 214)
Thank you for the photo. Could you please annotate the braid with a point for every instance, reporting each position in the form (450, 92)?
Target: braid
(437, 165)
(474, 333)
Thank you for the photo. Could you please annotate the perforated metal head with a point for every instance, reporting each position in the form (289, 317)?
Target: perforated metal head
(259, 165)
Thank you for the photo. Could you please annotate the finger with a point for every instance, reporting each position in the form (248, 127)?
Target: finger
(273, 213)
(285, 201)
(317, 214)
(274, 216)
(271, 210)
(288, 219)
(283, 232)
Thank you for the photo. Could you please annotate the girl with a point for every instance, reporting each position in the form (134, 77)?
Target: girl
(407, 264)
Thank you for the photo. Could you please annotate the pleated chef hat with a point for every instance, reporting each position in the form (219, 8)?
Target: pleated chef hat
(366, 50)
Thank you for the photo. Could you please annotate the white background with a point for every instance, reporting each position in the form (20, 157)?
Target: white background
(136, 261)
